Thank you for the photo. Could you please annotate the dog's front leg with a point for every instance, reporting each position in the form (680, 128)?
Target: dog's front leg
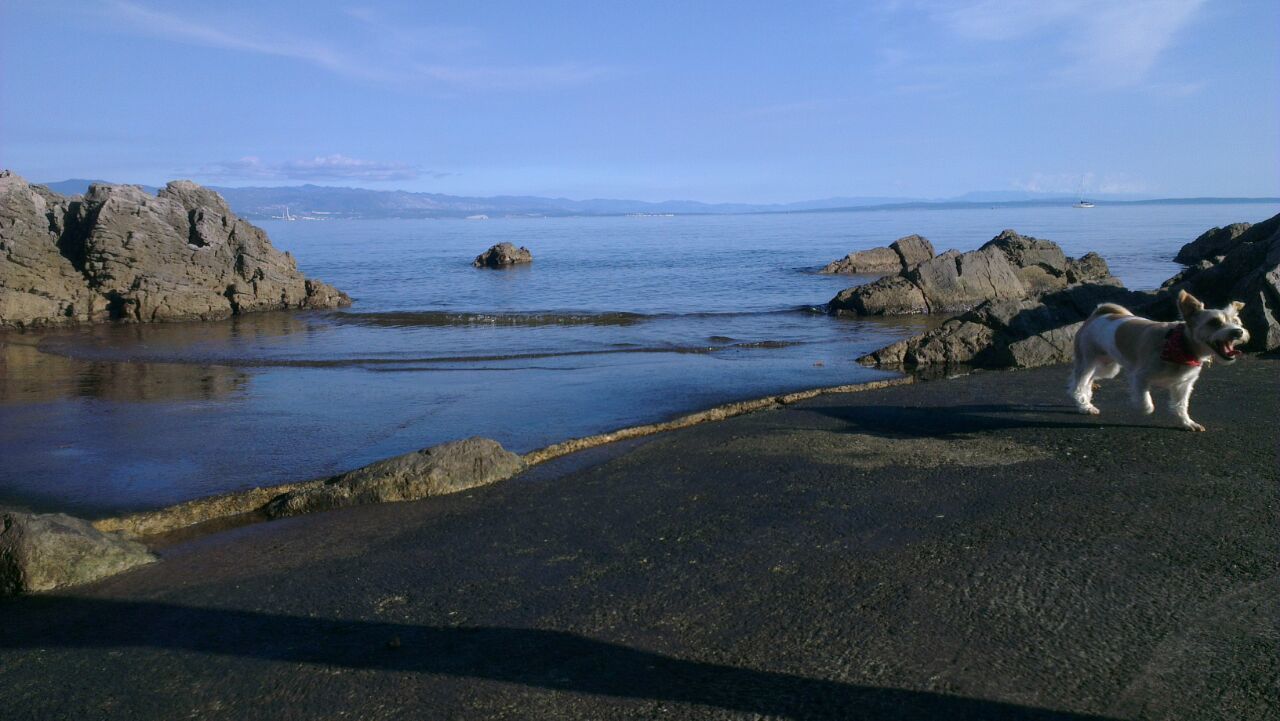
(1140, 390)
(1180, 404)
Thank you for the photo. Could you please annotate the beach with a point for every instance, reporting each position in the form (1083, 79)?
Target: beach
(960, 548)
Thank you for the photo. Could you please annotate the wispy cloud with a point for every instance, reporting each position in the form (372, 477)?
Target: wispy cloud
(323, 167)
(1101, 42)
(395, 54)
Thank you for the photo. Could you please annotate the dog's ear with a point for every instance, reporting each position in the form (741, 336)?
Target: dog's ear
(1188, 304)
(1237, 306)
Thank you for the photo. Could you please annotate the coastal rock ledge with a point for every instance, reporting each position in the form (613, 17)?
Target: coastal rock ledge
(119, 253)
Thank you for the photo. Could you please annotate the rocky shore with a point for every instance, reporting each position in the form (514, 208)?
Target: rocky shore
(1017, 301)
(121, 254)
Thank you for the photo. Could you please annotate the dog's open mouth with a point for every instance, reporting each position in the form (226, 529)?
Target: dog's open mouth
(1227, 349)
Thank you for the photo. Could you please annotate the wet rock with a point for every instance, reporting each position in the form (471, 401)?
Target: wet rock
(119, 253)
(503, 255)
(903, 254)
(434, 471)
(1212, 243)
(44, 551)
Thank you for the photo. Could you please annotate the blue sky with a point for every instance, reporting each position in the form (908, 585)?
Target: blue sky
(714, 101)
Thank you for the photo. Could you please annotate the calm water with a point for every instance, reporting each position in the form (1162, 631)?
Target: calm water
(619, 321)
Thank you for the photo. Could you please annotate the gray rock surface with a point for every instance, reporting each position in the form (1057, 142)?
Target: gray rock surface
(503, 255)
(1020, 333)
(1039, 329)
(119, 253)
(865, 262)
(1009, 266)
(1211, 244)
(901, 255)
(435, 471)
(44, 551)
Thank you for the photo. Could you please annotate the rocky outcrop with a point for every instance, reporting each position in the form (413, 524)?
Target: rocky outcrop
(1243, 265)
(434, 471)
(1008, 267)
(44, 551)
(1018, 333)
(901, 255)
(1247, 269)
(1213, 243)
(120, 253)
(503, 255)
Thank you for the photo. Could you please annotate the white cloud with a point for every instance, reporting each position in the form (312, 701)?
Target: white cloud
(395, 53)
(321, 167)
(1109, 43)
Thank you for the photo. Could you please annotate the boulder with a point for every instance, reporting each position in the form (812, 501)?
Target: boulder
(894, 295)
(1009, 266)
(120, 253)
(1211, 244)
(901, 255)
(434, 471)
(913, 250)
(503, 255)
(44, 551)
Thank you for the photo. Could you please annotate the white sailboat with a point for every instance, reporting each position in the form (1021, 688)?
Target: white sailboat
(1083, 204)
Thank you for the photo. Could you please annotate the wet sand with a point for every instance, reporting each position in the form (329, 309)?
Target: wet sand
(955, 549)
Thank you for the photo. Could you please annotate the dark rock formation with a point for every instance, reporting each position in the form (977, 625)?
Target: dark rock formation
(1009, 266)
(901, 255)
(1246, 269)
(1244, 265)
(119, 253)
(434, 471)
(44, 551)
(1019, 333)
(503, 255)
(1211, 244)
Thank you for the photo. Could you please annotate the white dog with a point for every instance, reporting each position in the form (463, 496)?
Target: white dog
(1168, 355)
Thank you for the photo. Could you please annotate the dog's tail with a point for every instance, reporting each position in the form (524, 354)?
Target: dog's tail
(1109, 309)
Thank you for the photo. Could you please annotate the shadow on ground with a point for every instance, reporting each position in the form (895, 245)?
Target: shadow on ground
(538, 658)
(953, 422)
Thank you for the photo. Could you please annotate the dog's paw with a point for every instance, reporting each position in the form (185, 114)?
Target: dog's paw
(1089, 410)
(1192, 426)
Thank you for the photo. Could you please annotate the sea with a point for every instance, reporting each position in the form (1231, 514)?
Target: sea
(618, 321)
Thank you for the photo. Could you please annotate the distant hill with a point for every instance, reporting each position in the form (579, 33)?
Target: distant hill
(321, 201)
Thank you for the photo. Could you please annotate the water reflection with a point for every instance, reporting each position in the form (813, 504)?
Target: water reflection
(28, 375)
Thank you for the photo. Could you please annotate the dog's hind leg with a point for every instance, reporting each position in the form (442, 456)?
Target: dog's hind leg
(1081, 385)
(1140, 390)
(1180, 404)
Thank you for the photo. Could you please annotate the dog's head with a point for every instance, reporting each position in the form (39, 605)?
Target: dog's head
(1217, 330)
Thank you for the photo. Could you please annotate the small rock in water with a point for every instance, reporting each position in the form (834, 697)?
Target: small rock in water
(503, 255)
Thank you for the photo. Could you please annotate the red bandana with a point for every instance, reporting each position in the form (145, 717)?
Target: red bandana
(1175, 348)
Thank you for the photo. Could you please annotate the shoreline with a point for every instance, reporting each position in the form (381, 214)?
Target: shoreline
(228, 510)
(773, 564)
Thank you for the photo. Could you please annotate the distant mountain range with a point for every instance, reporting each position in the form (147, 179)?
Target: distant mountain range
(324, 202)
